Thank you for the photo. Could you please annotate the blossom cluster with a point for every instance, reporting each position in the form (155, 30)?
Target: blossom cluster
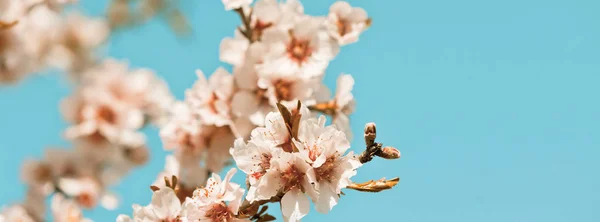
(262, 116)
(36, 34)
(110, 104)
(107, 110)
(219, 200)
(291, 161)
(296, 161)
(278, 56)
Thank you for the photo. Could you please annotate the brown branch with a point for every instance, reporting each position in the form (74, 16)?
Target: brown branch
(374, 186)
(249, 209)
(247, 27)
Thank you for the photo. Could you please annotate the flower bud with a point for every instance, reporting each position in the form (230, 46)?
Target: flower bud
(389, 153)
(370, 134)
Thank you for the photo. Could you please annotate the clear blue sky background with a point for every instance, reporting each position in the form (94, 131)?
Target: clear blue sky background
(494, 105)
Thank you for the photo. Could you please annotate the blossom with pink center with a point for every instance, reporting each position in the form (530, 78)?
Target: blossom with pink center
(164, 207)
(183, 133)
(138, 89)
(99, 120)
(267, 14)
(324, 148)
(345, 23)
(254, 158)
(210, 99)
(303, 50)
(291, 176)
(87, 192)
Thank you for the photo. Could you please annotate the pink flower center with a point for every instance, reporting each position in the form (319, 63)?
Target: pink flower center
(106, 114)
(291, 178)
(168, 219)
(86, 200)
(219, 213)
(326, 172)
(299, 50)
(265, 163)
(212, 103)
(344, 27)
(283, 90)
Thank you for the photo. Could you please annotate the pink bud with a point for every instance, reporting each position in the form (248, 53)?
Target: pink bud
(370, 134)
(390, 153)
(370, 128)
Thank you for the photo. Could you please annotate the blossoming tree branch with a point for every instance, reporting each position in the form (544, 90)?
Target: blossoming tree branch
(267, 117)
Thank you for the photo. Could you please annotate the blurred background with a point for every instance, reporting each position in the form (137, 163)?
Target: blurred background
(493, 104)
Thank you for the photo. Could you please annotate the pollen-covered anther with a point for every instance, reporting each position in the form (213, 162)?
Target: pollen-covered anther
(291, 178)
(299, 50)
(219, 212)
(326, 172)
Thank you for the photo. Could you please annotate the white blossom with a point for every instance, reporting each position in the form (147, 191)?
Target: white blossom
(346, 23)
(219, 200)
(210, 99)
(304, 50)
(324, 147)
(66, 210)
(15, 213)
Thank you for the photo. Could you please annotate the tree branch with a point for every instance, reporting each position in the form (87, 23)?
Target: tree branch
(247, 31)
(375, 149)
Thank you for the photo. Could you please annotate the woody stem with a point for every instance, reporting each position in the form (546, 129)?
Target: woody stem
(247, 31)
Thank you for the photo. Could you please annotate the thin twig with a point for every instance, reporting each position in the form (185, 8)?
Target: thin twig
(247, 30)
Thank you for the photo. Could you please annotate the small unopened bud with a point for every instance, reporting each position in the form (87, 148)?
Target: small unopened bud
(138, 155)
(389, 153)
(370, 133)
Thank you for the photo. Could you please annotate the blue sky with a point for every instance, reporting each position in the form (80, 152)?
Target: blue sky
(493, 104)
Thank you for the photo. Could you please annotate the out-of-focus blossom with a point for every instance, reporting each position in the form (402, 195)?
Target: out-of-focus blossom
(194, 141)
(210, 99)
(78, 38)
(86, 191)
(24, 43)
(346, 23)
(268, 14)
(15, 213)
(288, 89)
(235, 4)
(138, 88)
(100, 120)
(66, 210)
(233, 50)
